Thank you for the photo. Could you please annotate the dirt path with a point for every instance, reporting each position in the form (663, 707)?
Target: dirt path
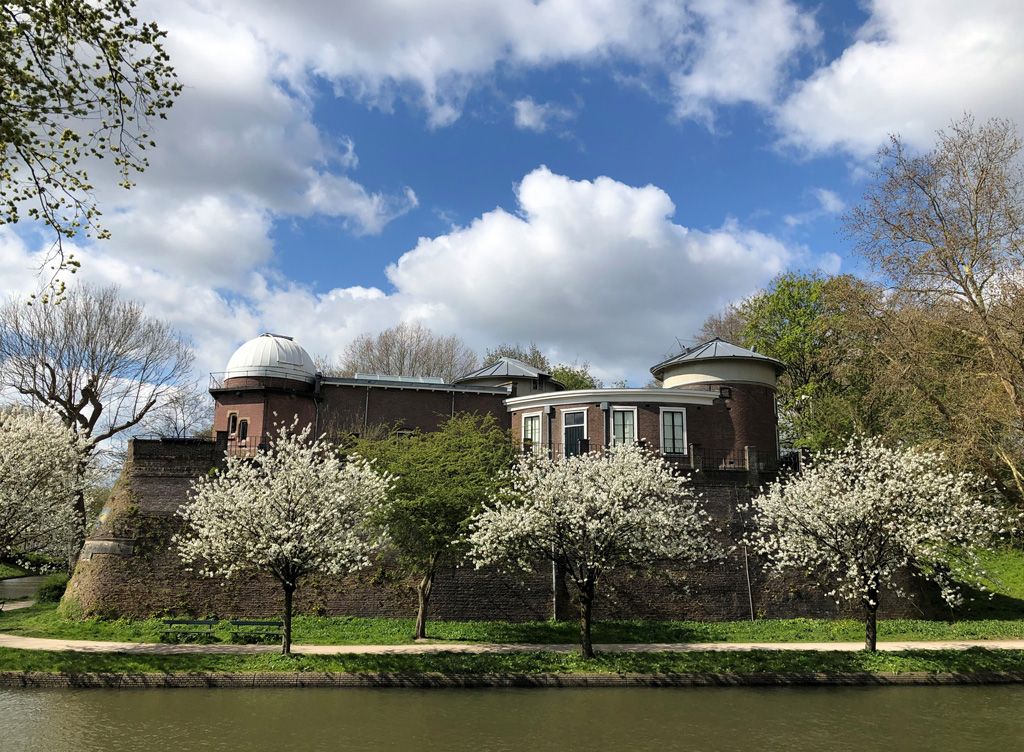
(95, 646)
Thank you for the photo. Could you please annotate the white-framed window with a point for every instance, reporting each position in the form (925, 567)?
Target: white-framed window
(243, 429)
(574, 430)
(232, 423)
(531, 432)
(623, 425)
(673, 430)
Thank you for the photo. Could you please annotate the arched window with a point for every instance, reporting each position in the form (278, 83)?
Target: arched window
(232, 423)
(243, 430)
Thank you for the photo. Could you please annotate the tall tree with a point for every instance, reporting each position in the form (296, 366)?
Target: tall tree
(589, 515)
(441, 479)
(829, 390)
(945, 232)
(98, 361)
(293, 509)
(82, 82)
(39, 467)
(408, 349)
(727, 324)
(860, 516)
(575, 376)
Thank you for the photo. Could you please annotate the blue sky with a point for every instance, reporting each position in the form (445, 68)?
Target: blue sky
(593, 175)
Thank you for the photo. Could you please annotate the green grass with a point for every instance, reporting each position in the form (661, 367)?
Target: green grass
(967, 661)
(998, 617)
(45, 621)
(11, 570)
(1006, 583)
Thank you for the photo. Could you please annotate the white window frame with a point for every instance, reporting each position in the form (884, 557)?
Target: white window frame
(661, 430)
(232, 414)
(540, 426)
(568, 410)
(611, 422)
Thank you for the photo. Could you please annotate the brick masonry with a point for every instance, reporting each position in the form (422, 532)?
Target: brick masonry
(128, 568)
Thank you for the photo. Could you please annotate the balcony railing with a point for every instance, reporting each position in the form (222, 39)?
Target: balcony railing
(695, 457)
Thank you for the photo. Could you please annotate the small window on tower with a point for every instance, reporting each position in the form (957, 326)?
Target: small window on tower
(243, 430)
(232, 423)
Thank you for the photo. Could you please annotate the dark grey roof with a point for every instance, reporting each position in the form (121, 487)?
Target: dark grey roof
(510, 367)
(715, 349)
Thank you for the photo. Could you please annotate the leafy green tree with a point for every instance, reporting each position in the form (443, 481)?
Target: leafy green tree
(441, 480)
(575, 376)
(81, 82)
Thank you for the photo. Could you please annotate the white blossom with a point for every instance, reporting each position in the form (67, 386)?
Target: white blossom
(862, 515)
(590, 514)
(40, 478)
(294, 508)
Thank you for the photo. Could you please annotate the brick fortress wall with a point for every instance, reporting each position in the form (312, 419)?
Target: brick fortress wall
(128, 568)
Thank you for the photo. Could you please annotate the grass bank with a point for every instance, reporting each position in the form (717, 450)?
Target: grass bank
(8, 571)
(45, 621)
(943, 661)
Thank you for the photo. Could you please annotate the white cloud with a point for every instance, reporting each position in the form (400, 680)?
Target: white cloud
(596, 270)
(537, 116)
(829, 203)
(238, 151)
(435, 52)
(591, 270)
(915, 66)
(740, 53)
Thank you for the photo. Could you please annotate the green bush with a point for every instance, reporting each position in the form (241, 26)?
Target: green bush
(53, 587)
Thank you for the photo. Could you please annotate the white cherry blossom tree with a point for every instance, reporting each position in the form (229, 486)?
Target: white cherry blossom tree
(294, 508)
(40, 479)
(861, 516)
(591, 514)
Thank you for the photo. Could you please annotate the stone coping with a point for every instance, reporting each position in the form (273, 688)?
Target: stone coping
(275, 680)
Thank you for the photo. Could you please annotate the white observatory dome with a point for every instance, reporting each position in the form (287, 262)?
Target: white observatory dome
(272, 356)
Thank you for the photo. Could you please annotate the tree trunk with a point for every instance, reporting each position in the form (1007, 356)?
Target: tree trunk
(423, 591)
(78, 542)
(286, 637)
(586, 614)
(871, 621)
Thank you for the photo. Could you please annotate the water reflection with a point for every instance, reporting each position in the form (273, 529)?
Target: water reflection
(903, 718)
(20, 588)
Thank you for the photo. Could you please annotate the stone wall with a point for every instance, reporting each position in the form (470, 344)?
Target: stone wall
(128, 568)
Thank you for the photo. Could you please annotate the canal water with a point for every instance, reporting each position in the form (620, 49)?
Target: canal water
(524, 720)
(20, 588)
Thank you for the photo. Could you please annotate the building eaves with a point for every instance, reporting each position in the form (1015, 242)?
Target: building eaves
(412, 386)
(716, 349)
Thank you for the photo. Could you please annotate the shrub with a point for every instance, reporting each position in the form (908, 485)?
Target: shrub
(53, 587)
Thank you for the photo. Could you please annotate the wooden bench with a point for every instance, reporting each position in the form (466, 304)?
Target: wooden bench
(187, 628)
(243, 629)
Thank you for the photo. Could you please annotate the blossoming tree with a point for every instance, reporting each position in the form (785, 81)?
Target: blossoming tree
(860, 516)
(591, 514)
(295, 508)
(39, 482)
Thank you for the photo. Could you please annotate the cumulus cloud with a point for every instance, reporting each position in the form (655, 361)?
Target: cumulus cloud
(435, 52)
(596, 270)
(740, 52)
(239, 150)
(537, 116)
(915, 66)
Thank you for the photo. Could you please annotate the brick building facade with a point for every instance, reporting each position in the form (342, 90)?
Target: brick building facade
(714, 417)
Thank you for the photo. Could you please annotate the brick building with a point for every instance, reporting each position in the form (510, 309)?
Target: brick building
(715, 408)
(714, 416)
